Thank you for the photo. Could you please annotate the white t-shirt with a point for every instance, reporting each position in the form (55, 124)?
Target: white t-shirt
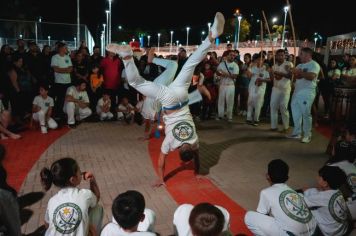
(125, 109)
(101, 103)
(331, 211)
(67, 212)
(79, 95)
(233, 68)
(181, 219)
(288, 209)
(44, 104)
(306, 87)
(334, 72)
(350, 72)
(179, 129)
(283, 84)
(257, 72)
(150, 107)
(61, 62)
(113, 229)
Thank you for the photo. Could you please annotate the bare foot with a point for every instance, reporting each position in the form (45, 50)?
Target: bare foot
(151, 55)
(15, 136)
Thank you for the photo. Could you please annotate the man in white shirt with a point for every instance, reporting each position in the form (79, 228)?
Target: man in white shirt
(42, 110)
(179, 126)
(130, 216)
(281, 210)
(182, 214)
(77, 103)
(62, 66)
(228, 71)
(281, 90)
(306, 75)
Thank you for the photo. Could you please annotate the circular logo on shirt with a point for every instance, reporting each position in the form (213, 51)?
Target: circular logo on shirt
(67, 218)
(351, 180)
(337, 207)
(294, 206)
(183, 131)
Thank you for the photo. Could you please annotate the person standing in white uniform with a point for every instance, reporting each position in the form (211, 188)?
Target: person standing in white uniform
(306, 75)
(42, 110)
(281, 73)
(281, 210)
(227, 71)
(179, 126)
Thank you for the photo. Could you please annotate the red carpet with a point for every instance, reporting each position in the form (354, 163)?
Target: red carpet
(23, 153)
(185, 188)
(325, 130)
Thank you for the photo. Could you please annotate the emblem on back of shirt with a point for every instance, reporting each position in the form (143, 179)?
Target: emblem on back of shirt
(67, 217)
(47, 104)
(351, 180)
(337, 207)
(183, 131)
(294, 206)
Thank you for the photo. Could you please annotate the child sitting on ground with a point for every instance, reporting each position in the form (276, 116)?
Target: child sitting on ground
(71, 211)
(130, 217)
(126, 111)
(103, 107)
(281, 210)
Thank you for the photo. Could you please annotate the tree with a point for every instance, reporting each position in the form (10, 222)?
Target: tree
(229, 31)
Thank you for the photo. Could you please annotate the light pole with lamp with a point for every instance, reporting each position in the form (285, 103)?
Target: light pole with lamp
(148, 40)
(104, 26)
(109, 23)
(78, 22)
(286, 8)
(239, 18)
(315, 40)
(75, 42)
(236, 14)
(159, 36)
(202, 35)
(49, 40)
(170, 49)
(107, 29)
(188, 28)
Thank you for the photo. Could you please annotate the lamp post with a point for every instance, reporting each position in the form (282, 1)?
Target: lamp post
(188, 28)
(109, 23)
(202, 35)
(148, 40)
(286, 8)
(49, 40)
(159, 36)
(209, 26)
(75, 42)
(102, 43)
(177, 43)
(315, 40)
(107, 29)
(236, 14)
(78, 22)
(170, 49)
(104, 26)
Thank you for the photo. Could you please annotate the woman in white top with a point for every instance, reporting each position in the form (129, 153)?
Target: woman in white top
(71, 211)
(349, 74)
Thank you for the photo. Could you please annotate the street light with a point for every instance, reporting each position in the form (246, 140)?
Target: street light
(148, 40)
(315, 40)
(107, 29)
(109, 23)
(202, 35)
(177, 43)
(286, 8)
(188, 28)
(274, 20)
(120, 27)
(104, 25)
(237, 28)
(75, 42)
(159, 36)
(49, 40)
(102, 43)
(78, 22)
(170, 49)
(209, 25)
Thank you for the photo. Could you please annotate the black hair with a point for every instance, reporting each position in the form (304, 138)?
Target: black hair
(280, 51)
(351, 128)
(308, 50)
(334, 176)
(45, 86)
(344, 151)
(60, 45)
(78, 82)
(278, 171)
(16, 57)
(60, 173)
(127, 209)
(95, 47)
(206, 220)
(187, 155)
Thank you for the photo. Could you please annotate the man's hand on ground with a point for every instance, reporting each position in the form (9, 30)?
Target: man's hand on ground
(158, 183)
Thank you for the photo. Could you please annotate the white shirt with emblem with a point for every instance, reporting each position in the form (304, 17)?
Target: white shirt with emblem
(233, 68)
(330, 210)
(304, 87)
(113, 229)
(257, 72)
(102, 103)
(67, 212)
(179, 129)
(288, 209)
(283, 84)
(44, 104)
(61, 62)
(181, 219)
(80, 95)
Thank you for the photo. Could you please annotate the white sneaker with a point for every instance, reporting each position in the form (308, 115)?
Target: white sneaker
(306, 139)
(44, 130)
(122, 50)
(294, 136)
(218, 25)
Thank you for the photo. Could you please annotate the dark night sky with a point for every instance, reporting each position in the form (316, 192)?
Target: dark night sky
(326, 17)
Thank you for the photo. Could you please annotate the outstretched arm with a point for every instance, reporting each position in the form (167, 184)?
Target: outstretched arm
(161, 168)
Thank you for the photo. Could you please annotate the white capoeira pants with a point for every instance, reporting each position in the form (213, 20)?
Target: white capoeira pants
(105, 115)
(226, 96)
(96, 215)
(254, 105)
(279, 101)
(71, 110)
(301, 112)
(175, 93)
(40, 116)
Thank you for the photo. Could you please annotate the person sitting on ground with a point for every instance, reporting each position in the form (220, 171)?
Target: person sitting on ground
(130, 217)
(126, 111)
(71, 211)
(281, 210)
(188, 220)
(77, 103)
(42, 110)
(351, 137)
(5, 120)
(103, 107)
(327, 202)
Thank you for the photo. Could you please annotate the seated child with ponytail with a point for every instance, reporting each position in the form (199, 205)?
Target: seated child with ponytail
(71, 211)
